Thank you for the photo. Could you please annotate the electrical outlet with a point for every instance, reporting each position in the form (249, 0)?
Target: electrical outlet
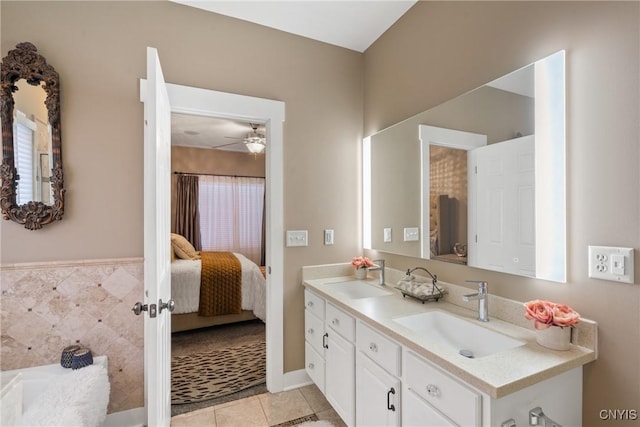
(611, 263)
(387, 235)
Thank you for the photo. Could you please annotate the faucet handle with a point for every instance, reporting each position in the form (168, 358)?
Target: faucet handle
(482, 285)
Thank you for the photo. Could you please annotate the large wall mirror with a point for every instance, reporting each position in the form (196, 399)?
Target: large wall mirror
(478, 180)
(32, 179)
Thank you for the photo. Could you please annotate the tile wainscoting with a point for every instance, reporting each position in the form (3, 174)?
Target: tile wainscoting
(48, 306)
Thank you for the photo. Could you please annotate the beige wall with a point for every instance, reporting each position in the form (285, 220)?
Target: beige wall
(440, 50)
(98, 48)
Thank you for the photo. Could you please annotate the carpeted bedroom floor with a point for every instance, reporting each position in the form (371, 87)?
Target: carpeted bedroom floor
(217, 338)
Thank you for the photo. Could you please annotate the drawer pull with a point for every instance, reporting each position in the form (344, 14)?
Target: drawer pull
(310, 331)
(373, 347)
(433, 390)
(311, 366)
(310, 304)
(390, 406)
(335, 322)
(325, 344)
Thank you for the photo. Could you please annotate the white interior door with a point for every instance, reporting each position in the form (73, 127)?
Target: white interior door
(157, 218)
(505, 206)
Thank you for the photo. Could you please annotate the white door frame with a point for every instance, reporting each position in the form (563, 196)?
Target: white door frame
(204, 102)
(443, 137)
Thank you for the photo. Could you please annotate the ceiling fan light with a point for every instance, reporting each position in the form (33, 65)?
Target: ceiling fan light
(255, 146)
(255, 141)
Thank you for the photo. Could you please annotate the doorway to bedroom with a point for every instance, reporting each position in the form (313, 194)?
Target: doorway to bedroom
(219, 281)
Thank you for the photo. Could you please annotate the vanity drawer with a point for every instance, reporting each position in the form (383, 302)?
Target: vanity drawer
(379, 348)
(313, 331)
(341, 322)
(314, 365)
(445, 393)
(314, 304)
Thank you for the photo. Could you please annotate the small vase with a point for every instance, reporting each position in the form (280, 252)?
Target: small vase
(554, 337)
(361, 273)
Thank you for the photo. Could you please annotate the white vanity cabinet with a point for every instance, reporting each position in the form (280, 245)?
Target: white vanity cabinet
(378, 364)
(330, 353)
(375, 376)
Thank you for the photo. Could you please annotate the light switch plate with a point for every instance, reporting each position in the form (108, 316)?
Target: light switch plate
(411, 234)
(387, 235)
(328, 236)
(297, 238)
(611, 263)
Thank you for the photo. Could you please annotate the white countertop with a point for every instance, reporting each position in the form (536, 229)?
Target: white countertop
(497, 374)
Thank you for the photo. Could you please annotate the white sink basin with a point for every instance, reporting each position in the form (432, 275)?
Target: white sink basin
(465, 337)
(357, 289)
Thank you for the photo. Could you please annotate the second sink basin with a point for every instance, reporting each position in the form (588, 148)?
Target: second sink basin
(466, 338)
(357, 289)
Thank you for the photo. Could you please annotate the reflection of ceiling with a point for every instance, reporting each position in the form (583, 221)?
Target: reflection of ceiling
(351, 24)
(209, 132)
(521, 82)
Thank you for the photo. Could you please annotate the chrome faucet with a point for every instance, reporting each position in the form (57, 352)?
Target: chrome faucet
(380, 268)
(482, 296)
(537, 417)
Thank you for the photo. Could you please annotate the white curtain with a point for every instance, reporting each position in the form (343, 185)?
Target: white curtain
(231, 210)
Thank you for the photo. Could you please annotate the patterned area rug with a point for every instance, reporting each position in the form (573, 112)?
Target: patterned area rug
(202, 376)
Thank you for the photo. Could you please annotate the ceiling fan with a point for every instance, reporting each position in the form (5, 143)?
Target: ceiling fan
(254, 141)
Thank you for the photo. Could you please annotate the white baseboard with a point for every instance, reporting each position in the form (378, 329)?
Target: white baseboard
(296, 379)
(135, 417)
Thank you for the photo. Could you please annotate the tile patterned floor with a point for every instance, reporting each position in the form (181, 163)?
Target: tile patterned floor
(263, 410)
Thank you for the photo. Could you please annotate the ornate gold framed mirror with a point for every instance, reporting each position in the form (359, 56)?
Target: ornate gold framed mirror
(32, 190)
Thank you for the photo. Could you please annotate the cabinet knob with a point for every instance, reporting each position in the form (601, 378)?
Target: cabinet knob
(433, 390)
(310, 304)
(311, 366)
(310, 330)
(335, 322)
(373, 347)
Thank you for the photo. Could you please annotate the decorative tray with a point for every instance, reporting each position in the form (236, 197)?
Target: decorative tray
(422, 298)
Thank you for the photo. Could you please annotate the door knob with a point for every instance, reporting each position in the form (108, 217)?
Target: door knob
(169, 305)
(138, 308)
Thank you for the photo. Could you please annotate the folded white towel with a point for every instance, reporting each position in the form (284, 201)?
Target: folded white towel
(75, 398)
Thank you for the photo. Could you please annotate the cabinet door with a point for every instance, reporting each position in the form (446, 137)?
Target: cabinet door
(340, 376)
(378, 397)
(416, 412)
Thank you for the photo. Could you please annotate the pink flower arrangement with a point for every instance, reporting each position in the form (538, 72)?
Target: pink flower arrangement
(546, 313)
(361, 262)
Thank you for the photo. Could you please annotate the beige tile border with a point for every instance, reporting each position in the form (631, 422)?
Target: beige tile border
(70, 263)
